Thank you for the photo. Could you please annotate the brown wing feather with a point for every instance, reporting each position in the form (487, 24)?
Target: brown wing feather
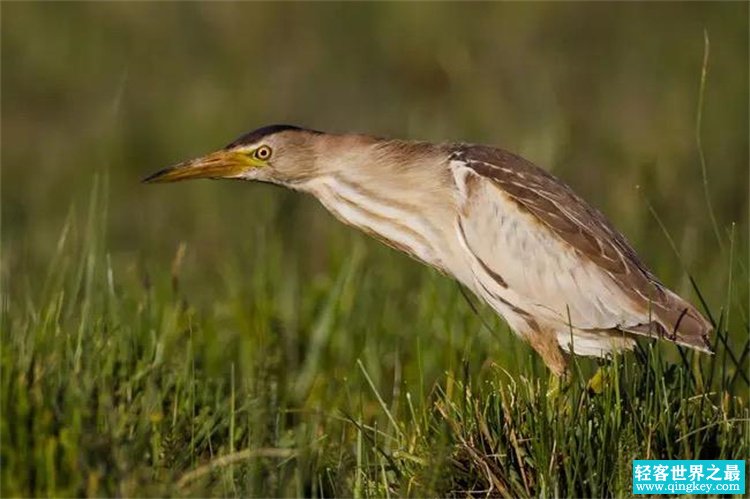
(587, 230)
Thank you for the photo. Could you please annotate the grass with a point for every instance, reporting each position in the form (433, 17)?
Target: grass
(219, 339)
(122, 379)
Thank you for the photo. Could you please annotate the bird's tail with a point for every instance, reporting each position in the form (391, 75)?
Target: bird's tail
(677, 320)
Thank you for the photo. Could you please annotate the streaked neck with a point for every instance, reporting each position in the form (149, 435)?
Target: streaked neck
(398, 192)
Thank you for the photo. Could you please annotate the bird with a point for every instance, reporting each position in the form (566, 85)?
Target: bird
(551, 265)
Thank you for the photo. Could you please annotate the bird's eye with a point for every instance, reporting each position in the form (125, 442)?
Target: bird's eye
(262, 153)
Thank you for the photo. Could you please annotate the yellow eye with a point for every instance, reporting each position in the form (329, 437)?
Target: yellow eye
(262, 153)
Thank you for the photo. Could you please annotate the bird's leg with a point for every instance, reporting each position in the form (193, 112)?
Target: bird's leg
(544, 342)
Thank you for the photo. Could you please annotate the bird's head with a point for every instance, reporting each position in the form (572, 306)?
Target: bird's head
(277, 153)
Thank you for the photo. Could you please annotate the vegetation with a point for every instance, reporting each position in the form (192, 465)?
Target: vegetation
(229, 339)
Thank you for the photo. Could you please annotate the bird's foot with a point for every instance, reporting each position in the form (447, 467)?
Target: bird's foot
(557, 385)
(598, 381)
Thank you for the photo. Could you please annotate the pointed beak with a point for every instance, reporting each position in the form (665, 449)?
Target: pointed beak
(220, 164)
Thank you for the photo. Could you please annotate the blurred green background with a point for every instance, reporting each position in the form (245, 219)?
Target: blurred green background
(271, 286)
(605, 96)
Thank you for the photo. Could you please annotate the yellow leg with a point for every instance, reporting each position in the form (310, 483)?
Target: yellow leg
(598, 381)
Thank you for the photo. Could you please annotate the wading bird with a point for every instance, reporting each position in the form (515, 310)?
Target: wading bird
(551, 265)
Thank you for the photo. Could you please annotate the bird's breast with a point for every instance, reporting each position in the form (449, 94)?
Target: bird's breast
(402, 223)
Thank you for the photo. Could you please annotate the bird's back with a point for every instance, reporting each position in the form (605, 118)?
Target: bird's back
(587, 232)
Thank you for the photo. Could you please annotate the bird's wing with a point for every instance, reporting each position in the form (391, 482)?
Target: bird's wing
(553, 252)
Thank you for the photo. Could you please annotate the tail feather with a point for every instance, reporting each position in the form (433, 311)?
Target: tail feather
(677, 320)
(673, 319)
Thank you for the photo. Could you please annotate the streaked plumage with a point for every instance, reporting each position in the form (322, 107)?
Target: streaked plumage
(556, 270)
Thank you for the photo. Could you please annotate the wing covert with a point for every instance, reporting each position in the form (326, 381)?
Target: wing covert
(575, 264)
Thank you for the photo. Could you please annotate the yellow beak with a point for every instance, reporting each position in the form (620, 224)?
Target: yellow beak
(220, 164)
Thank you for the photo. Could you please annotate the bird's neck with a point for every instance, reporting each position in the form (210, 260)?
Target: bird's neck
(399, 192)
